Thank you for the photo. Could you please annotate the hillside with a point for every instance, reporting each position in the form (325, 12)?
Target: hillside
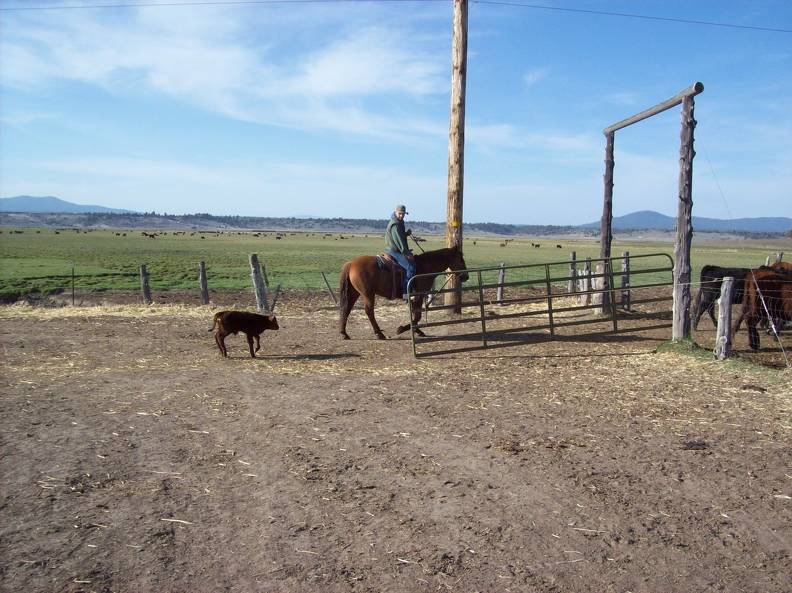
(50, 211)
(648, 219)
(48, 204)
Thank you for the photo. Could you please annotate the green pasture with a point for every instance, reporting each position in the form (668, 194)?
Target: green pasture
(41, 260)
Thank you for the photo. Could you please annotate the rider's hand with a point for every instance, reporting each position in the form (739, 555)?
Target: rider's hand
(408, 232)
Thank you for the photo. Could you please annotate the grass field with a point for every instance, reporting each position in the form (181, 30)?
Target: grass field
(41, 260)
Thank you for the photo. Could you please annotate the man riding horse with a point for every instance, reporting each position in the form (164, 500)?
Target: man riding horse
(397, 247)
(365, 277)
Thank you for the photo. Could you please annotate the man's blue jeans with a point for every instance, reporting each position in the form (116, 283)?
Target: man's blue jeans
(406, 264)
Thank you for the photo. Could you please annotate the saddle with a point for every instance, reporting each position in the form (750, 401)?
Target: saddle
(386, 262)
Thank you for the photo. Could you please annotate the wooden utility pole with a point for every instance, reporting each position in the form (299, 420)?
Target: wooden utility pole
(456, 142)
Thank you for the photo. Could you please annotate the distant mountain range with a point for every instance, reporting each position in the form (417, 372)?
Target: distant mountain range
(52, 211)
(47, 204)
(648, 219)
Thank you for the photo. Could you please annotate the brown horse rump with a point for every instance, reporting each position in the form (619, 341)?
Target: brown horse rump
(385, 261)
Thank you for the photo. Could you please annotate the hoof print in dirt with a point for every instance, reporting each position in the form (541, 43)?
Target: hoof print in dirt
(695, 445)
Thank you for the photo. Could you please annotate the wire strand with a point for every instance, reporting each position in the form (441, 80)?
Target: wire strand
(633, 16)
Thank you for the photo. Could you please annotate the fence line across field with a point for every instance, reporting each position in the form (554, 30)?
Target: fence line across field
(578, 282)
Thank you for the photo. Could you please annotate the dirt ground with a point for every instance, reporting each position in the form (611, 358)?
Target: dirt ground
(134, 458)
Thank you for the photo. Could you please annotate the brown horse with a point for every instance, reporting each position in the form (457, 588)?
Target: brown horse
(363, 277)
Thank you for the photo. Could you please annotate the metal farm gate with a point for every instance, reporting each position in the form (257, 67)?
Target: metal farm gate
(507, 306)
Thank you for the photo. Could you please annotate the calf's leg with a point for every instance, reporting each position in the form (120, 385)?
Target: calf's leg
(250, 345)
(220, 341)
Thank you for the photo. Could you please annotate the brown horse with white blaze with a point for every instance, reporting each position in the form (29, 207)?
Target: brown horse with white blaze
(362, 277)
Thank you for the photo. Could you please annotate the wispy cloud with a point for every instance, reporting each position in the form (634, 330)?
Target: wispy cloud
(531, 77)
(210, 60)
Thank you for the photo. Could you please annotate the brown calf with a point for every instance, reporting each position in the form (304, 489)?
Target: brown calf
(250, 324)
(765, 288)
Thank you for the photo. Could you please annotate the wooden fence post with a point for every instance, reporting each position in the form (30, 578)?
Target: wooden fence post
(585, 298)
(501, 280)
(767, 261)
(625, 281)
(779, 255)
(572, 284)
(144, 285)
(203, 284)
(259, 287)
(598, 284)
(330, 290)
(723, 338)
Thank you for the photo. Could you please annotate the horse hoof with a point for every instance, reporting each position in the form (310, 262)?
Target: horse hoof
(418, 332)
(381, 336)
(401, 329)
(345, 336)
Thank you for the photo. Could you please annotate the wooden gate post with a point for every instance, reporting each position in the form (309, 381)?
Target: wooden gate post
(767, 261)
(572, 285)
(501, 280)
(203, 284)
(144, 285)
(625, 281)
(259, 287)
(681, 325)
(779, 255)
(456, 144)
(606, 234)
(723, 338)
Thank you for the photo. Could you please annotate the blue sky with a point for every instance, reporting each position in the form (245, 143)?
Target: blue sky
(341, 109)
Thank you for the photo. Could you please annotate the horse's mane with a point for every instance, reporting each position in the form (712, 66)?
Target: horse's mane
(430, 259)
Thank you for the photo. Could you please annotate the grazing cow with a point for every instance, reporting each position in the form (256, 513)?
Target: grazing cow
(711, 279)
(765, 290)
(250, 324)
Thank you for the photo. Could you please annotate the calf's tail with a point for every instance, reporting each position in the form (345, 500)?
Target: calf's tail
(214, 322)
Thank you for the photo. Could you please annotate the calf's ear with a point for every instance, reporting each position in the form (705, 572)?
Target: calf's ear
(271, 317)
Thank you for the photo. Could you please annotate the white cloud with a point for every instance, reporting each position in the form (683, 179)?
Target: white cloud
(211, 60)
(531, 77)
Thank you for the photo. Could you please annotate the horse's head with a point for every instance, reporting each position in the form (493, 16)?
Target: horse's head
(458, 263)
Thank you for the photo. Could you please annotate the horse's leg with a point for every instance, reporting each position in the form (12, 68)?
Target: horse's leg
(346, 308)
(416, 312)
(753, 334)
(368, 305)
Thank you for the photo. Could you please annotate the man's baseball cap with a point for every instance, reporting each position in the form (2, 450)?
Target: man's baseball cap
(401, 208)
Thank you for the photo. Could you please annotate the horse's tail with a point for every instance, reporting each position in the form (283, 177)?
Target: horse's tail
(344, 287)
